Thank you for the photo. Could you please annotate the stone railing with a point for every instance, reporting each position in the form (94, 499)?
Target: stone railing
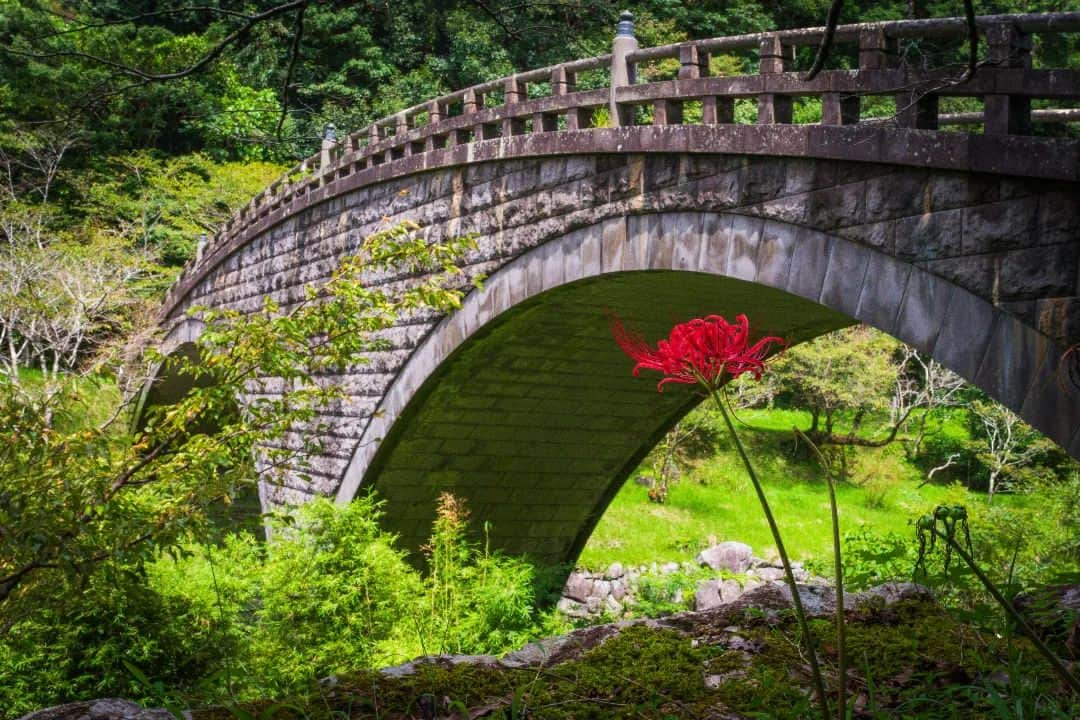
(672, 85)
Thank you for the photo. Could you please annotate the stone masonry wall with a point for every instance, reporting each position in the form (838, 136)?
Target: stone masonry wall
(1015, 242)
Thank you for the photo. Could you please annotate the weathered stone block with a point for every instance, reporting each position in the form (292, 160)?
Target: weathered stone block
(1040, 272)
(844, 276)
(923, 309)
(778, 241)
(886, 279)
(896, 195)
(1000, 225)
(1007, 377)
(809, 263)
(743, 247)
(930, 235)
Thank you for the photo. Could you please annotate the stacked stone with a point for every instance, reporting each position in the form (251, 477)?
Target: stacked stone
(588, 595)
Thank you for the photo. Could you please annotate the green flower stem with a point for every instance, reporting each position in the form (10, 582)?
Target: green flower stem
(841, 629)
(1070, 680)
(819, 684)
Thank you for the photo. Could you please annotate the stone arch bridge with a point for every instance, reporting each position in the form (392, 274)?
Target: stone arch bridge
(639, 182)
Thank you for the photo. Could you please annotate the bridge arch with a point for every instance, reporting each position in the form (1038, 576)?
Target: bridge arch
(522, 404)
(966, 245)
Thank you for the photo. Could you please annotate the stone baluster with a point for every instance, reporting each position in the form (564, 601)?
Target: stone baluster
(402, 125)
(579, 118)
(436, 112)
(837, 109)
(374, 138)
(622, 72)
(915, 108)
(514, 93)
(1008, 49)
(694, 64)
(667, 112)
(329, 142)
(877, 51)
(562, 83)
(775, 58)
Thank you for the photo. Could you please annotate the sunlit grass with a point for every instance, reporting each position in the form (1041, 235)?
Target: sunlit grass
(714, 501)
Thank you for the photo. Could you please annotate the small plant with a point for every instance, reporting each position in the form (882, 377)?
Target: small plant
(947, 524)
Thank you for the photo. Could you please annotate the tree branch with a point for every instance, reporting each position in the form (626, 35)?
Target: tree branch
(831, 21)
(294, 55)
(210, 56)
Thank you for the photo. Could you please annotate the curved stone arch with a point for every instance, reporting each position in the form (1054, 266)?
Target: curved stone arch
(181, 338)
(167, 386)
(1012, 362)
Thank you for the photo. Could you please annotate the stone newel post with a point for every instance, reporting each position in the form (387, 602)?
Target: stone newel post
(328, 143)
(622, 74)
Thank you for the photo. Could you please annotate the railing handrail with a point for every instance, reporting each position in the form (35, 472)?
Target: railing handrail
(896, 29)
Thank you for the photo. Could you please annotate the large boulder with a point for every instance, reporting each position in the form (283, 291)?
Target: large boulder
(735, 557)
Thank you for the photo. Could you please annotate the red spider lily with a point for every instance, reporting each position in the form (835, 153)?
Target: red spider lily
(703, 350)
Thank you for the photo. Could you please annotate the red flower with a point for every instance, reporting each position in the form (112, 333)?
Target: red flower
(703, 350)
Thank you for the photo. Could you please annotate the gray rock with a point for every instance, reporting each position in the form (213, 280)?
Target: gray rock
(768, 573)
(572, 608)
(730, 591)
(734, 557)
(105, 709)
(707, 595)
(668, 568)
(893, 592)
(615, 571)
(578, 587)
(618, 589)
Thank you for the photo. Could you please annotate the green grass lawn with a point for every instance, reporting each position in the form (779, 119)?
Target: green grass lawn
(91, 400)
(714, 500)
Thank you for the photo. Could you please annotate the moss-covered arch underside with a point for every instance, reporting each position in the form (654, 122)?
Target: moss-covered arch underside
(536, 420)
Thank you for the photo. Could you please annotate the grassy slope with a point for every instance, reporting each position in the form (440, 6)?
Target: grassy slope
(715, 499)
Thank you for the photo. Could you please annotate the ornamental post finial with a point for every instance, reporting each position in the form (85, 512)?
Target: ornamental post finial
(622, 71)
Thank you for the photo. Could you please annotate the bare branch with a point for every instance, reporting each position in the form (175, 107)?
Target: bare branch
(209, 57)
(294, 56)
(831, 21)
(141, 16)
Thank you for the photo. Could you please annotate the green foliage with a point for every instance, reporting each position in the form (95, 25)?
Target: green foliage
(163, 203)
(849, 372)
(85, 505)
(475, 601)
(667, 593)
(333, 591)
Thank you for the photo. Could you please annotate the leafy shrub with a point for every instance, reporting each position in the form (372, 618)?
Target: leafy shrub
(878, 474)
(667, 593)
(475, 601)
(333, 590)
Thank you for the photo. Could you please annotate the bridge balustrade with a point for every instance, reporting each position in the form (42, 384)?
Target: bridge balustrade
(675, 85)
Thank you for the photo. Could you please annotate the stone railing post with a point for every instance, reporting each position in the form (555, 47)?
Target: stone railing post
(774, 58)
(1008, 48)
(562, 83)
(515, 91)
(436, 112)
(329, 142)
(622, 74)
